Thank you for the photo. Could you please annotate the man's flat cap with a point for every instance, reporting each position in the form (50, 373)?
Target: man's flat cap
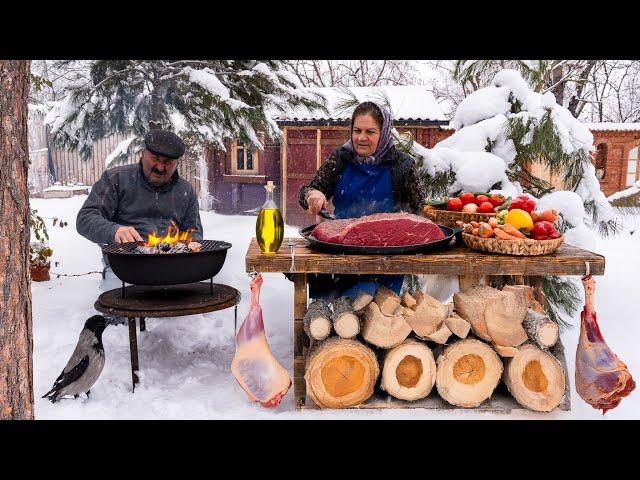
(164, 143)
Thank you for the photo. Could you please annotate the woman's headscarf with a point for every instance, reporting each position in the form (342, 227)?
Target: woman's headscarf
(385, 142)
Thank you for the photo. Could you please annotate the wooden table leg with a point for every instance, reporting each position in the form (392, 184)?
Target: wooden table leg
(133, 347)
(143, 325)
(300, 340)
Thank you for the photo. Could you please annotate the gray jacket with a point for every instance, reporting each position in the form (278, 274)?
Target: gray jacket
(124, 197)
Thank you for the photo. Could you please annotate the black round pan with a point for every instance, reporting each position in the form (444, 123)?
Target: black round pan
(449, 239)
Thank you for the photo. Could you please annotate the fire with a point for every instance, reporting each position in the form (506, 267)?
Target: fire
(173, 235)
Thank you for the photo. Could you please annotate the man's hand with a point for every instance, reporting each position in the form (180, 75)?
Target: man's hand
(127, 234)
(316, 201)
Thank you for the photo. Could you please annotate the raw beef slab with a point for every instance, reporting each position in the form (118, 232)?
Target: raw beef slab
(379, 230)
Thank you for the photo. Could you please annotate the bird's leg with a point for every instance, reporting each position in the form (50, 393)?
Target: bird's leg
(76, 395)
(88, 392)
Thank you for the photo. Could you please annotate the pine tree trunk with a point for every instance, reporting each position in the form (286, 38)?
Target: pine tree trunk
(16, 343)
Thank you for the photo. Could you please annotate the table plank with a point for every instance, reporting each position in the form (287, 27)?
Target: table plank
(459, 260)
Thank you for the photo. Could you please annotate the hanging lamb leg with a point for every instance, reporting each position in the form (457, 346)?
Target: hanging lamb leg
(601, 378)
(255, 368)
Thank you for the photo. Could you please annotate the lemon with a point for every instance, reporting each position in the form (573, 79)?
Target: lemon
(519, 219)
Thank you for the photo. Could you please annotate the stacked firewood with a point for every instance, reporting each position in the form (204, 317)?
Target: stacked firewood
(414, 342)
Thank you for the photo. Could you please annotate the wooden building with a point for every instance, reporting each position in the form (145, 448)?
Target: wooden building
(238, 176)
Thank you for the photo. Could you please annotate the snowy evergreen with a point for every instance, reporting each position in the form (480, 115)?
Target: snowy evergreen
(500, 130)
(205, 101)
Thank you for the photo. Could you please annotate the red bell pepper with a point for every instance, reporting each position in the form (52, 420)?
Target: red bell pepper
(544, 230)
(523, 203)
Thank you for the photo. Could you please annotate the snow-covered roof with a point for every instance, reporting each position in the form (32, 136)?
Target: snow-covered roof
(407, 103)
(614, 126)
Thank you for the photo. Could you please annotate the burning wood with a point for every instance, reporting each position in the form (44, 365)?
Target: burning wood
(174, 241)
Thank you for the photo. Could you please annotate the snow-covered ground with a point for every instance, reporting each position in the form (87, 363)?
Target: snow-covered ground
(185, 362)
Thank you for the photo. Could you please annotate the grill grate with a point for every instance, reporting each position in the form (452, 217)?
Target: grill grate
(128, 248)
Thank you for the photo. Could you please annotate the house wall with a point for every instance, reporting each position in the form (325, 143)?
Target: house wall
(242, 194)
(619, 144)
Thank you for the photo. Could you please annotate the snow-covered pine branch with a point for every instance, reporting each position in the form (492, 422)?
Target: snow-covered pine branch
(500, 129)
(207, 101)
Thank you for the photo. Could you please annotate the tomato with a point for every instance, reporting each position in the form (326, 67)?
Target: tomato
(485, 207)
(466, 197)
(480, 199)
(454, 204)
(496, 199)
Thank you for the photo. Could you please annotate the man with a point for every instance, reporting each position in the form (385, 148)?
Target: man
(132, 201)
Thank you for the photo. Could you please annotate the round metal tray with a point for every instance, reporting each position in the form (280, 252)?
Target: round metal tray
(450, 236)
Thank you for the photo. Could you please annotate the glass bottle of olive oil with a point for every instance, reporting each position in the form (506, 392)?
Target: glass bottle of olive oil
(269, 226)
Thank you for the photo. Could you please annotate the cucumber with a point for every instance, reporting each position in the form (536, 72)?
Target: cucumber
(437, 203)
(505, 204)
(486, 194)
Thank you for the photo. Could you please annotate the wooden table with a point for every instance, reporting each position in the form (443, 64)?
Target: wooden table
(164, 301)
(459, 260)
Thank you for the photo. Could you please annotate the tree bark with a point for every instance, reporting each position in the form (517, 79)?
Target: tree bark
(16, 342)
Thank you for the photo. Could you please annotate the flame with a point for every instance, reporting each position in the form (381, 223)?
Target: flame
(173, 235)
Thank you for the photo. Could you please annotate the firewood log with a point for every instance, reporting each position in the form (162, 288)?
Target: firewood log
(505, 351)
(523, 292)
(494, 315)
(409, 371)
(340, 373)
(408, 300)
(458, 325)
(441, 335)
(345, 322)
(535, 378)
(387, 300)
(317, 320)
(468, 371)
(428, 315)
(381, 330)
(361, 301)
(541, 329)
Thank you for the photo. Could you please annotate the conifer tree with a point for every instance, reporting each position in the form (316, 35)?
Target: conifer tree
(205, 101)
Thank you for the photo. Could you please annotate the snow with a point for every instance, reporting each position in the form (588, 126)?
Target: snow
(615, 126)
(569, 204)
(405, 101)
(480, 105)
(185, 362)
(121, 149)
(632, 190)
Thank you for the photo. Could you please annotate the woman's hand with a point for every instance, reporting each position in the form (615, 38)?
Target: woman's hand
(316, 201)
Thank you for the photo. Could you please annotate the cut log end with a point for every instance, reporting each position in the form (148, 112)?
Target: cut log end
(317, 320)
(468, 372)
(347, 325)
(409, 371)
(340, 373)
(381, 330)
(535, 379)
(458, 326)
(543, 331)
(387, 300)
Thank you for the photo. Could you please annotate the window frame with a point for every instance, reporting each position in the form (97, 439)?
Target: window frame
(635, 161)
(234, 160)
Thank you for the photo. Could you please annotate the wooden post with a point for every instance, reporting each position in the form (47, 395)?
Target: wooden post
(133, 347)
(300, 340)
(283, 173)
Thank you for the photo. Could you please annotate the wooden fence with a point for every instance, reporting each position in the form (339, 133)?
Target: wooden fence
(70, 168)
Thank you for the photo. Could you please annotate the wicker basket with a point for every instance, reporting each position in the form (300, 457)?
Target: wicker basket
(449, 218)
(525, 246)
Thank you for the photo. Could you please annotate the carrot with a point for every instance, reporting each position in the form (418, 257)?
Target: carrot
(513, 231)
(485, 230)
(502, 235)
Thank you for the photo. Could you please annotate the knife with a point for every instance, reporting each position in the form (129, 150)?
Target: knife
(324, 213)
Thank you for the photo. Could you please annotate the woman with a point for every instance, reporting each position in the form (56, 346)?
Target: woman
(364, 176)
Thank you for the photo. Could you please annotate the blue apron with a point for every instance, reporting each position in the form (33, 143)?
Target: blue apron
(365, 190)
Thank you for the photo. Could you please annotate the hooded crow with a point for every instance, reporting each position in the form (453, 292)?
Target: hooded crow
(86, 362)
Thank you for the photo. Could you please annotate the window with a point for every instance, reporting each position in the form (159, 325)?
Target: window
(632, 167)
(244, 159)
(601, 161)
